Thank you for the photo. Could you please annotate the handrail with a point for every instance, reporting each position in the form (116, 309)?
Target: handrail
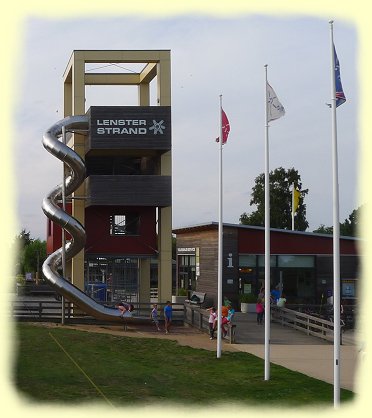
(39, 310)
(309, 324)
(51, 309)
(198, 317)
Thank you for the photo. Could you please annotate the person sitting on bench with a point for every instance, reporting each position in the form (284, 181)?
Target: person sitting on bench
(224, 320)
(230, 313)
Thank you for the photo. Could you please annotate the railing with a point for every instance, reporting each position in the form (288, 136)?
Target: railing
(325, 311)
(51, 310)
(44, 310)
(198, 318)
(309, 324)
(195, 316)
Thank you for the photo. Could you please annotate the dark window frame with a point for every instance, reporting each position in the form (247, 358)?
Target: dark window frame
(124, 224)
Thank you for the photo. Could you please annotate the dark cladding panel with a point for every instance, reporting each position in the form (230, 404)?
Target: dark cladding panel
(129, 127)
(349, 267)
(129, 190)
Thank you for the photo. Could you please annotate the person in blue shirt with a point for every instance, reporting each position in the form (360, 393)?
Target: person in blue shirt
(275, 293)
(167, 316)
(230, 313)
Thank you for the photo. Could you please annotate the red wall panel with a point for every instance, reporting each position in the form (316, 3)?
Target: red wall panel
(253, 242)
(99, 240)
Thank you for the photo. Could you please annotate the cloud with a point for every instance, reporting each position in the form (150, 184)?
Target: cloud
(209, 57)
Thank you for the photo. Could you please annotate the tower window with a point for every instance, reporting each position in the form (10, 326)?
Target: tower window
(125, 224)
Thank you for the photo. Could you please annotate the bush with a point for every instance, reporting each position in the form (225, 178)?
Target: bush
(20, 279)
(247, 298)
(182, 292)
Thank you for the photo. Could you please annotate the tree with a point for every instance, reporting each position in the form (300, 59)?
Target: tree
(24, 238)
(21, 241)
(34, 255)
(351, 225)
(322, 229)
(348, 228)
(28, 253)
(281, 181)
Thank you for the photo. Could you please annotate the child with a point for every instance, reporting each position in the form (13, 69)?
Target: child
(230, 313)
(212, 322)
(167, 316)
(224, 322)
(154, 315)
(224, 310)
(259, 311)
(281, 301)
(125, 309)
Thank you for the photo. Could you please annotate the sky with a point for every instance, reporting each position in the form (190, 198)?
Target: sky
(209, 57)
(217, 47)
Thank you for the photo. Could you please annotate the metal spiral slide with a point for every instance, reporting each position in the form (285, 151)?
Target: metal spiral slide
(52, 210)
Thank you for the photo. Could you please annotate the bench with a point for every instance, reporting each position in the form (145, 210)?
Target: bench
(231, 330)
(196, 298)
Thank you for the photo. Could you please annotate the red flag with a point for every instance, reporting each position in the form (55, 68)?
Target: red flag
(225, 128)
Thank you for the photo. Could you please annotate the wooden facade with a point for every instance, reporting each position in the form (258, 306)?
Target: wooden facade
(207, 242)
(241, 240)
(129, 190)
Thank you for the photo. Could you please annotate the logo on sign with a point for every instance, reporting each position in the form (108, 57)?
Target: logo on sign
(129, 127)
(230, 261)
(157, 127)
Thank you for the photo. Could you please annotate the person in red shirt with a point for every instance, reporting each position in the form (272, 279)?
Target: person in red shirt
(259, 311)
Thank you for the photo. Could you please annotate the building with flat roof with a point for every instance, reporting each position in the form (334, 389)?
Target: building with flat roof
(301, 262)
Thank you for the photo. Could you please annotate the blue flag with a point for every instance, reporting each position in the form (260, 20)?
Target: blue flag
(340, 96)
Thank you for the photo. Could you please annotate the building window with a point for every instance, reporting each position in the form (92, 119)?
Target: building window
(296, 261)
(125, 224)
(261, 261)
(187, 272)
(112, 279)
(247, 260)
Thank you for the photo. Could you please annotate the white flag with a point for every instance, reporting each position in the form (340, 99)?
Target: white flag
(275, 109)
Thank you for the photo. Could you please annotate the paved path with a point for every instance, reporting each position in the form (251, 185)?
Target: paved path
(248, 332)
(289, 348)
(297, 351)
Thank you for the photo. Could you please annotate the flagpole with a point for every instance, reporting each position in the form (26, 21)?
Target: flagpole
(293, 202)
(220, 242)
(63, 230)
(267, 239)
(336, 235)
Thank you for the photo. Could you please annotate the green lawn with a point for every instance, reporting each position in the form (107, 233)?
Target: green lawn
(68, 366)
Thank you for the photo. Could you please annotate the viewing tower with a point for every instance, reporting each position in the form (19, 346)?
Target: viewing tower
(125, 203)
